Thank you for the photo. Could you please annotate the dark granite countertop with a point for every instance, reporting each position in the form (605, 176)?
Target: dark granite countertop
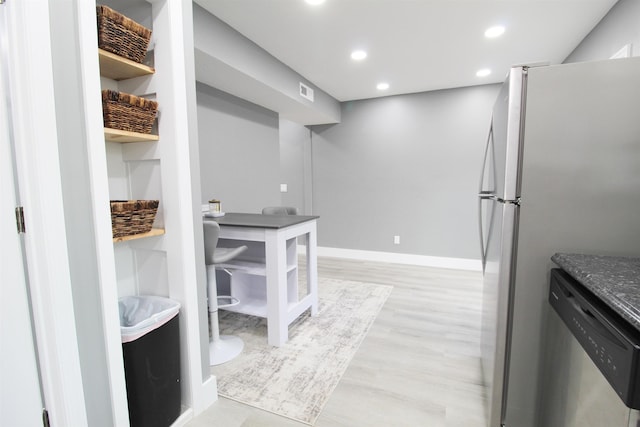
(615, 280)
(262, 221)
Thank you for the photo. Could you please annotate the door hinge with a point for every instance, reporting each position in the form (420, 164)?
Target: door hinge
(20, 219)
(45, 415)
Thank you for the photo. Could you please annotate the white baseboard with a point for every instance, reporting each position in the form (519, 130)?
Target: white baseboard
(209, 394)
(396, 258)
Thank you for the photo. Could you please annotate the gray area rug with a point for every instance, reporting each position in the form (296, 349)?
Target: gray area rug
(297, 379)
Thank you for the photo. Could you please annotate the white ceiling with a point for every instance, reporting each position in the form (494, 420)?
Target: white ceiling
(414, 45)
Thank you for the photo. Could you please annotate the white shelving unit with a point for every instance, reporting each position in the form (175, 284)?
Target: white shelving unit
(120, 69)
(168, 261)
(273, 292)
(69, 167)
(248, 282)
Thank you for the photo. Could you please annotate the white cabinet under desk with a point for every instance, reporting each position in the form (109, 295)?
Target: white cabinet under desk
(266, 277)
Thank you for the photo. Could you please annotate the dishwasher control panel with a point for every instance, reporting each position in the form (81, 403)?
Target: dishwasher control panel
(611, 343)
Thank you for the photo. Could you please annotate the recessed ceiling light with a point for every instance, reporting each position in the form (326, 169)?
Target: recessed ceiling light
(314, 2)
(483, 72)
(383, 86)
(358, 55)
(496, 31)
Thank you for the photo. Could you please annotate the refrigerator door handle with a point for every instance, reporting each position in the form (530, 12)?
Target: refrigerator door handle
(484, 195)
(483, 252)
(481, 190)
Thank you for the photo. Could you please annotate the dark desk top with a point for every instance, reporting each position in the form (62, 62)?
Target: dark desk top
(233, 219)
(615, 280)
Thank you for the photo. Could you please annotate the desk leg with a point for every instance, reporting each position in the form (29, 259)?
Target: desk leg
(276, 264)
(312, 269)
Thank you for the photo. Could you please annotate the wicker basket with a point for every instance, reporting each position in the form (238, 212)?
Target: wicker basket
(128, 112)
(130, 217)
(121, 35)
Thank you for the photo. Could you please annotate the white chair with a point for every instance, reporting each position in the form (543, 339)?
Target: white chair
(222, 348)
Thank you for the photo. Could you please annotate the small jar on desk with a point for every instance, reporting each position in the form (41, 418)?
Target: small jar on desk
(215, 206)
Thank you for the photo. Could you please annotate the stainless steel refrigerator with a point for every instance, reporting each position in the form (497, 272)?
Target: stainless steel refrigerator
(561, 173)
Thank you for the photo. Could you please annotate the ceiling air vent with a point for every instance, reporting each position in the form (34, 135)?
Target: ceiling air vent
(306, 92)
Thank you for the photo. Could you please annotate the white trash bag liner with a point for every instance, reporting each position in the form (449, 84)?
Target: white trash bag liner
(140, 315)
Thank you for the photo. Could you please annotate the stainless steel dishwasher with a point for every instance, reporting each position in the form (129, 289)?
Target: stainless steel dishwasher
(592, 359)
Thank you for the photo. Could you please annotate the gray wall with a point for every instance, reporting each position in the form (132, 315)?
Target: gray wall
(403, 165)
(295, 146)
(619, 27)
(239, 151)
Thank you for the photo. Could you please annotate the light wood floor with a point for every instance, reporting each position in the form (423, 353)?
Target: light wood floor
(418, 365)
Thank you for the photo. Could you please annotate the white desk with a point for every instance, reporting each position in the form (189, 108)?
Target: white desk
(265, 277)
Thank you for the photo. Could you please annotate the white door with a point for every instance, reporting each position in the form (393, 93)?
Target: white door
(20, 394)
(20, 398)
(44, 308)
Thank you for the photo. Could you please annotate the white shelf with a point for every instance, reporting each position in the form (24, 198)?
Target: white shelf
(247, 267)
(251, 267)
(254, 307)
(250, 306)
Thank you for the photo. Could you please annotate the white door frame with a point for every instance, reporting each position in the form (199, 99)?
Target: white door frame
(20, 392)
(38, 174)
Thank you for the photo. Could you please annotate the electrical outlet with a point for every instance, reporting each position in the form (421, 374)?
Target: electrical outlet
(396, 240)
(283, 188)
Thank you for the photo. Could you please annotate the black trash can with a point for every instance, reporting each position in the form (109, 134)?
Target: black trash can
(149, 327)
